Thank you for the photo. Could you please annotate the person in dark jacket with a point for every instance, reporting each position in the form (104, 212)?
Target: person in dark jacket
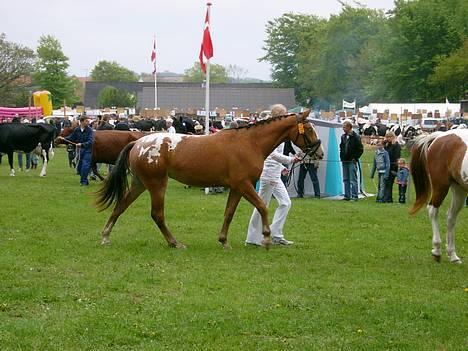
(123, 124)
(83, 137)
(104, 124)
(351, 150)
(394, 153)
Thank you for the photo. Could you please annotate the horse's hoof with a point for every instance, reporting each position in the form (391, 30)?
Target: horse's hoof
(457, 261)
(105, 242)
(436, 258)
(266, 243)
(226, 246)
(180, 246)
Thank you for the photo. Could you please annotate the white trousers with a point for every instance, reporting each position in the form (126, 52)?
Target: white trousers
(267, 189)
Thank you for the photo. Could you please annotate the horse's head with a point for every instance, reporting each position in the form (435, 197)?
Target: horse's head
(305, 136)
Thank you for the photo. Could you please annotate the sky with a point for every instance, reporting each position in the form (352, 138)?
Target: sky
(122, 30)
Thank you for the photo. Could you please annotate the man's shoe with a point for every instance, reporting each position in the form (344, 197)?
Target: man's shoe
(282, 241)
(251, 244)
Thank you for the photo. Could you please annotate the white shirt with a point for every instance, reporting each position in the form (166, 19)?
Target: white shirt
(273, 164)
(171, 129)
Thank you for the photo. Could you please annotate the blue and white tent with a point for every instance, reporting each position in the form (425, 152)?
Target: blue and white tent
(329, 173)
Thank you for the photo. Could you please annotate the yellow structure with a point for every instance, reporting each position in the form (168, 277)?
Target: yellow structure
(43, 99)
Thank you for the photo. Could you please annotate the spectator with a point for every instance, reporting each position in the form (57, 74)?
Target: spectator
(308, 164)
(271, 185)
(351, 150)
(83, 137)
(394, 152)
(198, 129)
(169, 127)
(122, 124)
(382, 166)
(104, 124)
(402, 180)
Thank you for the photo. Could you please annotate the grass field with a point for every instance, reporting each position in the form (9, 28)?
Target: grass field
(360, 276)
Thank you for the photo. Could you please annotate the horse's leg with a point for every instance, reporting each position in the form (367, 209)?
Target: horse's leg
(158, 190)
(95, 171)
(44, 163)
(135, 190)
(458, 201)
(10, 162)
(231, 205)
(251, 195)
(438, 195)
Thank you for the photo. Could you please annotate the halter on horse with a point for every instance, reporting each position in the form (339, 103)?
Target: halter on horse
(440, 162)
(232, 158)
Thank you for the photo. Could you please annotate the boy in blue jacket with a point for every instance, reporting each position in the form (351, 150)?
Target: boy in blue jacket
(402, 180)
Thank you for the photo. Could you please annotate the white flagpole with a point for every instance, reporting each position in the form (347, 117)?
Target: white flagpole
(155, 80)
(207, 85)
(207, 98)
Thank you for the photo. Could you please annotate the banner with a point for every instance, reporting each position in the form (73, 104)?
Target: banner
(347, 104)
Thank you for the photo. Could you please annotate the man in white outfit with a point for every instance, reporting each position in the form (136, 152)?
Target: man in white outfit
(271, 184)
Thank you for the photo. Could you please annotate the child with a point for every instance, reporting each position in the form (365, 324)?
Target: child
(402, 180)
(382, 165)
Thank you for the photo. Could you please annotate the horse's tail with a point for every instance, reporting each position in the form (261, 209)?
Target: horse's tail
(419, 173)
(116, 183)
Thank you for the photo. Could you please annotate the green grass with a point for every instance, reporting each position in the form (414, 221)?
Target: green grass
(360, 276)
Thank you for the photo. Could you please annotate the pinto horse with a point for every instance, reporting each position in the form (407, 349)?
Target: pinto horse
(232, 158)
(107, 145)
(440, 162)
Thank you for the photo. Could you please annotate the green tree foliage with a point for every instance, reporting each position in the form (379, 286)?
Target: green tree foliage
(106, 71)
(334, 67)
(419, 34)
(405, 55)
(218, 74)
(450, 77)
(16, 65)
(51, 71)
(113, 97)
(288, 38)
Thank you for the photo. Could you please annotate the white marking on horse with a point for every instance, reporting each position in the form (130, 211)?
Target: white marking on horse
(150, 145)
(463, 135)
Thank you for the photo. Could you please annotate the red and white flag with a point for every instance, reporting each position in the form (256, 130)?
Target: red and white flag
(206, 49)
(153, 56)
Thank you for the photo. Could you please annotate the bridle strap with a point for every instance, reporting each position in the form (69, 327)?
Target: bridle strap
(311, 147)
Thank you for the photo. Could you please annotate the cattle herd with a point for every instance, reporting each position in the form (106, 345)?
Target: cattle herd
(40, 137)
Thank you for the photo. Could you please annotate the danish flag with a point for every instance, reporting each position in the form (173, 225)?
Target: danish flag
(153, 56)
(206, 49)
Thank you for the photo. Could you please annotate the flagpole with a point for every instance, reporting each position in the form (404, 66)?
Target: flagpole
(207, 92)
(207, 85)
(155, 80)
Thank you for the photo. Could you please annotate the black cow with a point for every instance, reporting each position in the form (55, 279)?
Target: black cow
(147, 125)
(184, 125)
(26, 138)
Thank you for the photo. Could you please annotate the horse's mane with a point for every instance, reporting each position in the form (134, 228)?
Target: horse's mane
(261, 122)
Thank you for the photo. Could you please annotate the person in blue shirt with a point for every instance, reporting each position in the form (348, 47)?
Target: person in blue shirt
(83, 137)
(382, 166)
(402, 180)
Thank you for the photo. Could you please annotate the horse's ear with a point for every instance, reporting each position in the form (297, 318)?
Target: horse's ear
(305, 114)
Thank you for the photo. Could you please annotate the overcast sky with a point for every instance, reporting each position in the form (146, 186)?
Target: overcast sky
(122, 30)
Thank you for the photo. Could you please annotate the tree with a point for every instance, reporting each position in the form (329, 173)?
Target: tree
(16, 63)
(106, 71)
(450, 77)
(194, 74)
(113, 97)
(236, 73)
(51, 71)
(332, 67)
(288, 37)
(419, 34)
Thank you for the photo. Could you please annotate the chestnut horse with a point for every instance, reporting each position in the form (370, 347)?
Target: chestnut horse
(232, 158)
(107, 145)
(440, 162)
